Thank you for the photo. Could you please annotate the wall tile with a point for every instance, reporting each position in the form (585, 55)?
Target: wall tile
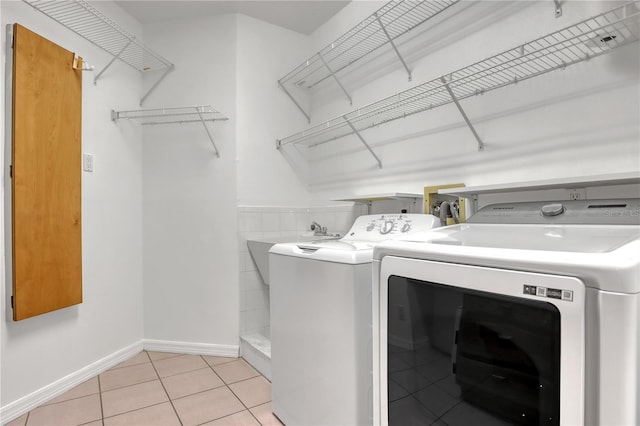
(253, 235)
(288, 221)
(270, 221)
(248, 263)
(260, 222)
(253, 281)
(302, 221)
(253, 222)
(344, 220)
(255, 299)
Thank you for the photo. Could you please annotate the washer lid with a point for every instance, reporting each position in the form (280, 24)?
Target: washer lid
(328, 251)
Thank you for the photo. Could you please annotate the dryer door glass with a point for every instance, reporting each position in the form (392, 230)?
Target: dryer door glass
(466, 357)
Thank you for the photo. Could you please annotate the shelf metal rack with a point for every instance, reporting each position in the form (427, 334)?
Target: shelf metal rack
(88, 22)
(178, 115)
(587, 39)
(384, 26)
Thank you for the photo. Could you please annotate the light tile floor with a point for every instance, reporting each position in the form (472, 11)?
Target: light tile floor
(163, 389)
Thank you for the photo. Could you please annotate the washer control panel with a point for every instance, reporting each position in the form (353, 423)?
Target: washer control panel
(389, 226)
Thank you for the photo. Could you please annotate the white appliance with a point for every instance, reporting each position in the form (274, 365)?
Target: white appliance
(526, 314)
(321, 332)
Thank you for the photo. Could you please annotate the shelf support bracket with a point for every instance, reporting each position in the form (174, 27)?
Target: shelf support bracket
(335, 78)
(152, 88)
(294, 101)
(95, 79)
(464, 115)
(384, 29)
(558, 8)
(206, 129)
(355, 131)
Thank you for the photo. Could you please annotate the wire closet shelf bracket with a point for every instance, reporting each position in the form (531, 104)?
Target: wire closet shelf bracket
(178, 115)
(587, 39)
(384, 26)
(89, 23)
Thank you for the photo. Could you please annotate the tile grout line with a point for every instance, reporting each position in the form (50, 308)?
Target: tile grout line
(101, 407)
(165, 391)
(133, 411)
(241, 401)
(132, 384)
(243, 404)
(226, 385)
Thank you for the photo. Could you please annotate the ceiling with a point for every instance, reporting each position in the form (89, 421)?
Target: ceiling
(303, 16)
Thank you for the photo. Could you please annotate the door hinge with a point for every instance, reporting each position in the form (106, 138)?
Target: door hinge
(11, 171)
(11, 302)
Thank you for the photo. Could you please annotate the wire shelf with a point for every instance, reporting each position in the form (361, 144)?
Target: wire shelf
(179, 115)
(580, 42)
(91, 24)
(388, 23)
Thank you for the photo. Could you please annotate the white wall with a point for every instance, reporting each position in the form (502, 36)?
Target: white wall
(189, 215)
(265, 53)
(577, 122)
(39, 351)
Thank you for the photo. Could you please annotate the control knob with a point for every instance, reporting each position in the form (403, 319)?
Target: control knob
(552, 209)
(371, 226)
(406, 227)
(387, 227)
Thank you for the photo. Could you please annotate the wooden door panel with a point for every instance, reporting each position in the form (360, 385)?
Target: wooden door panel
(46, 184)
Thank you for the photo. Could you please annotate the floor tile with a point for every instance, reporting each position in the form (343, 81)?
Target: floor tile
(192, 382)
(395, 391)
(155, 356)
(161, 414)
(410, 380)
(265, 416)
(207, 406)
(235, 371)
(436, 400)
(141, 358)
(179, 364)
(243, 418)
(126, 376)
(409, 412)
(20, 421)
(96, 423)
(465, 414)
(90, 387)
(252, 392)
(73, 412)
(216, 360)
(134, 397)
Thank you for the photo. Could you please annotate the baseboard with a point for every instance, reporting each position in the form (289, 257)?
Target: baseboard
(191, 348)
(27, 403)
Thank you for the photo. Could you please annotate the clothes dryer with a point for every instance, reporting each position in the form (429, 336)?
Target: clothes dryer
(321, 331)
(527, 314)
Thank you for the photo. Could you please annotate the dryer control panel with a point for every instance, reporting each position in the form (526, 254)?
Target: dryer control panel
(382, 227)
(566, 212)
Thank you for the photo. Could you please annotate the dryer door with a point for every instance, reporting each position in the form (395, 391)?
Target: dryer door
(470, 345)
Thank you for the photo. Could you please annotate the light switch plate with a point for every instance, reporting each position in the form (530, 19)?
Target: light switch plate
(87, 162)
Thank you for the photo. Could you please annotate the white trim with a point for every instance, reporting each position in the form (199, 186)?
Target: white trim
(191, 348)
(15, 409)
(28, 402)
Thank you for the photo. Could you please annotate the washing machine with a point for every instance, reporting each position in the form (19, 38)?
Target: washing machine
(321, 330)
(527, 314)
